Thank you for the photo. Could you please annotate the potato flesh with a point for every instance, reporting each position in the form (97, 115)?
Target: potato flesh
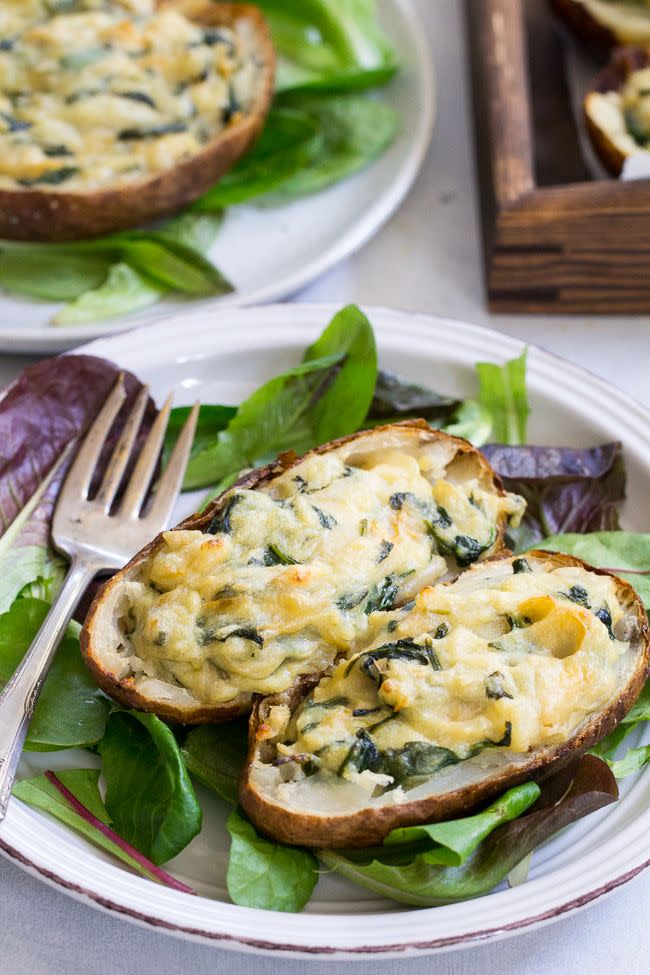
(553, 669)
(221, 615)
(112, 92)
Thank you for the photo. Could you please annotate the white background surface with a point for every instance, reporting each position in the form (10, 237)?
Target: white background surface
(426, 259)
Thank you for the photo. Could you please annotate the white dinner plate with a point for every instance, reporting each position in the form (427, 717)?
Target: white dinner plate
(269, 254)
(221, 361)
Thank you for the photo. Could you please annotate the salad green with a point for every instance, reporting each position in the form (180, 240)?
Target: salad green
(149, 795)
(149, 811)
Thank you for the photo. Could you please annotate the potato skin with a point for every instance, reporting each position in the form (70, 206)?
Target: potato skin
(583, 24)
(124, 691)
(624, 62)
(35, 215)
(369, 827)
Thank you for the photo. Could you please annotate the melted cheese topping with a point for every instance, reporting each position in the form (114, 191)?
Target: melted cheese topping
(514, 661)
(292, 573)
(94, 92)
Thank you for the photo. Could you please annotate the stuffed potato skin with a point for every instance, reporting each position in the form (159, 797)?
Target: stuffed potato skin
(586, 20)
(604, 112)
(100, 634)
(30, 213)
(370, 825)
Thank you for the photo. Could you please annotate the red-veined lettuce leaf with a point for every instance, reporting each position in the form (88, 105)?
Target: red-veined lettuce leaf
(566, 489)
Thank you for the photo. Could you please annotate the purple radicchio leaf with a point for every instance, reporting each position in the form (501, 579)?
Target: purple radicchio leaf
(566, 489)
(44, 412)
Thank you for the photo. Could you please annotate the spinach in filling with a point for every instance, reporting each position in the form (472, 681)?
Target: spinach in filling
(413, 762)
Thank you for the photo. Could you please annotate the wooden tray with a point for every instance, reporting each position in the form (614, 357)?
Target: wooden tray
(555, 240)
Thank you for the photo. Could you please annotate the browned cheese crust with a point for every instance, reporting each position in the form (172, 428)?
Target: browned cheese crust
(370, 826)
(62, 216)
(124, 690)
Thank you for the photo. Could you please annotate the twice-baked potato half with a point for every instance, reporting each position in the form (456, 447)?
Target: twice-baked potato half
(606, 23)
(114, 113)
(502, 675)
(286, 570)
(617, 109)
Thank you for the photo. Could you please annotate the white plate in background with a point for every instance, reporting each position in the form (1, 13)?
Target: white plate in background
(270, 254)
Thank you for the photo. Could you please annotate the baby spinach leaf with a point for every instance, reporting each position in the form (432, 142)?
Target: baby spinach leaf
(212, 420)
(328, 395)
(264, 423)
(354, 132)
(173, 264)
(71, 711)
(323, 42)
(344, 82)
(149, 795)
(35, 273)
(124, 290)
(503, 393)
(397, 399)
(426, 884)
(265, 874)
(625, 553)
(343, 406)
(566, 489)
(216, 754)
(289, 142)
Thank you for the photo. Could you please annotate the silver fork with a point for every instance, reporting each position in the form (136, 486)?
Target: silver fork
(96, 540)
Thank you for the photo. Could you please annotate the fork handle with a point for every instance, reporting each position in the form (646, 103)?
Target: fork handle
(18, 700)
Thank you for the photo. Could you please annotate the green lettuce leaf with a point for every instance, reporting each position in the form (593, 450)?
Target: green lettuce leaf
(39, 793)
(425, 884)
(124, 290)
(71, 710)
(34, 273)
(625, 553)
(472, 421)
(451, 843)
(503, 393)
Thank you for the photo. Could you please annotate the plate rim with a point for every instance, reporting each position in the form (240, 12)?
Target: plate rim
(298, 318)
(52, 339)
